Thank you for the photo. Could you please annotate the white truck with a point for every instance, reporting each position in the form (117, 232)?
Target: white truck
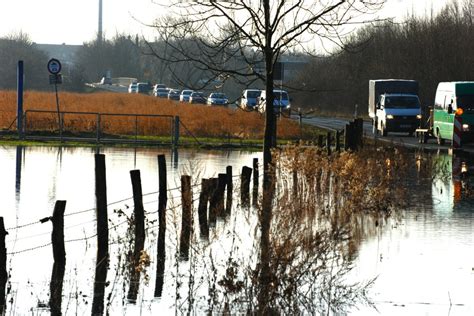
(394, 106)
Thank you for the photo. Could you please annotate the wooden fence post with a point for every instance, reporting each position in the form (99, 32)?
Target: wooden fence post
(213, 190)
(139, 214)
(221, 184)
(360, 132)
(3, 266)
(202, 208)
(255, 181)
(59, 255)
(347, 136)
(162, 200)
(320, 141)
(328, 143)
(102, 260)
(186, 217)
(230, 188)
(245, 185)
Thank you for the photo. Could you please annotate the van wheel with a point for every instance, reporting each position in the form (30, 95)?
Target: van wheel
(439, 140)
(384, 130)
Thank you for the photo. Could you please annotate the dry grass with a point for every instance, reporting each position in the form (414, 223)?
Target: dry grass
(200, 120)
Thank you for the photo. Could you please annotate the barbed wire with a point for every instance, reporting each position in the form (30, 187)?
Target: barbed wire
(170, 215)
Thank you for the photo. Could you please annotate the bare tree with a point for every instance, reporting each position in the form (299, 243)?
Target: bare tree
(256, 34)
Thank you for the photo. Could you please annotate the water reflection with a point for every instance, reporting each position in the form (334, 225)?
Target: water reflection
(424, 263)
(452, 183)
(19, 160)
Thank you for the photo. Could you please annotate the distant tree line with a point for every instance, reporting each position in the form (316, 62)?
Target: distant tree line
(427, 49)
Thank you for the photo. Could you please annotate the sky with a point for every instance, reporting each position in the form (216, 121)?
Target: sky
(76, 21)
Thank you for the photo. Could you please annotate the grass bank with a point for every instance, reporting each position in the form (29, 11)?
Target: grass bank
(200, 123)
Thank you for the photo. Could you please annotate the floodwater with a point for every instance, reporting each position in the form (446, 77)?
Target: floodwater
(423, 262)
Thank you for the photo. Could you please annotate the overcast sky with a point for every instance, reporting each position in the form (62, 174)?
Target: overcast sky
(76, 21)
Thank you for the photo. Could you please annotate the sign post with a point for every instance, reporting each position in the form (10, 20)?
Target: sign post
(19, 108)
(54, 68)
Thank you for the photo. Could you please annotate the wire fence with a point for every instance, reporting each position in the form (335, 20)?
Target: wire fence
(169, 211)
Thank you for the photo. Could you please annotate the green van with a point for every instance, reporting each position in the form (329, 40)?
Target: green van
(454, 98)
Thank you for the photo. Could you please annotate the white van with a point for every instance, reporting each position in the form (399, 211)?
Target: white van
(249, 97)
(281, 101)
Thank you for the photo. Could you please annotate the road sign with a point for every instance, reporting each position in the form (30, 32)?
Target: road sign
(54, 66)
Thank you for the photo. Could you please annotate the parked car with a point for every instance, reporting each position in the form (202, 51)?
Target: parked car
(161, 92)
(132, 88)
(249, 99)
(143, 87)
(281, 101)
(184, 96)
(158, 86)
(217, 98)
(173, 94)
(197, 98)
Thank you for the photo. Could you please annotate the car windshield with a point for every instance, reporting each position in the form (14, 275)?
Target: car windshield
(218, 96)
(196, 94)
(402, 102)
(466, 102)
(280, 95)
(186, 92)
(253, 94)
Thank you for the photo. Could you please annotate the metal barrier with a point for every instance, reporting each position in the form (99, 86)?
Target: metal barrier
(101, 127)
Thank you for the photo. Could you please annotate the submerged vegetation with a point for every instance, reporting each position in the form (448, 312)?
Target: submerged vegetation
(323, 207)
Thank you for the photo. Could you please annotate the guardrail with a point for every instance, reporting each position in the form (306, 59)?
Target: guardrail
(100, 127)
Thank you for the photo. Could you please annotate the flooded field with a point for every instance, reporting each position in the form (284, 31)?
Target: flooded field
(422, 259)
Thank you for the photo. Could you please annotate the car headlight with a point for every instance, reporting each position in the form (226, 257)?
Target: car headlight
(389, 117)
(465, 128)
(418, 116)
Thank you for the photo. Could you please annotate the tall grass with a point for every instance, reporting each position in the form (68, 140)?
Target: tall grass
(200, 120)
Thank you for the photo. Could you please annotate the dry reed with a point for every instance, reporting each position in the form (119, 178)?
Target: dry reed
(200, 120)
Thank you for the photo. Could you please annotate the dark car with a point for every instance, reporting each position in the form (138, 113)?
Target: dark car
(197, 98)
(161, 93)
(143, 87)
(173, 94)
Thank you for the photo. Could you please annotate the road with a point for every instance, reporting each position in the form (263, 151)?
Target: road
(396, 138)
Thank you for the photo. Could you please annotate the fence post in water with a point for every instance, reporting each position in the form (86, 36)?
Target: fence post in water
(360, 132)
(338, 141)
(245, 185)
(320, 141)
(186, 217)
(102, 260)
(255, 181)
(202, 208)
(230, 188)
(213, 207)
(347, 136)
(59, 255)
(139, 215)
(162, 200)
(328, 143)
(221, 183)
(176, 131)
(3, 266)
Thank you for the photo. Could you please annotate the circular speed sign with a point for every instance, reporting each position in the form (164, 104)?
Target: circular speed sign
(54, 66)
